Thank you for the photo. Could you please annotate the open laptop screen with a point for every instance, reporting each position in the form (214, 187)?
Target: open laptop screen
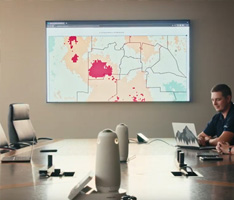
(185, 134)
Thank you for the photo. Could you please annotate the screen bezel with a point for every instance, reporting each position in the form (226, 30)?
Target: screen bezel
(119, 23)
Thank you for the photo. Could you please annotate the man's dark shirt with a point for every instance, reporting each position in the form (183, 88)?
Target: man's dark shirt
(218, 124)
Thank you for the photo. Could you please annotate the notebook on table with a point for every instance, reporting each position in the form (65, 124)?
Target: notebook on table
(186, 136)
(19, 158)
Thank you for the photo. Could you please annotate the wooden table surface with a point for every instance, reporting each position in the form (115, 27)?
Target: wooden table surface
(147, 175)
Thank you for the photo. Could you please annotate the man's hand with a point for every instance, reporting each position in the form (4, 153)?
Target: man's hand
(222, 147)
(203, 139)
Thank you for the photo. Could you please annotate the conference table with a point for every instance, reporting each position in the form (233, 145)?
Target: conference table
(147, 175)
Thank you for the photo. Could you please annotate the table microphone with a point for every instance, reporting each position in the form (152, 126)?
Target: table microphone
(122, 133)
(107, 175)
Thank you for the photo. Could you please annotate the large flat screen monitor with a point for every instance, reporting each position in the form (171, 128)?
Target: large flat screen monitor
(118, 61)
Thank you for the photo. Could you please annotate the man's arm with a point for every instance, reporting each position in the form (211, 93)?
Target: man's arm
(226, 136)
(203, 139)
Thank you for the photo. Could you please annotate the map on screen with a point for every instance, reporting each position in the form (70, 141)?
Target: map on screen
(123, 61)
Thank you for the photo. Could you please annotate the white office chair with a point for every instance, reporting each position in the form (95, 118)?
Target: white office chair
(20, 126)
(4, 144)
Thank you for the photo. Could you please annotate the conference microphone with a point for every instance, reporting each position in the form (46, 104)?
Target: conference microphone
(107, 175)
(122, 133)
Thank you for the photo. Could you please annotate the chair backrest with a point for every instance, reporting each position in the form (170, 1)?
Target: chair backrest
(3, 139)
(19, 124)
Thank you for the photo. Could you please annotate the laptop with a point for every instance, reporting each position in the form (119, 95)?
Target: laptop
(19, 158)
(186, 136)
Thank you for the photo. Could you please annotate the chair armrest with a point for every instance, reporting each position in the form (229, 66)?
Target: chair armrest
(44, 138)
(5, 149)
(19, 145)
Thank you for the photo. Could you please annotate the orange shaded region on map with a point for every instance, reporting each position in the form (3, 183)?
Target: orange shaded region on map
(134, 90)
(145, 46)
(177, 43)
(149, 51)
(76, 58)
(134, 46)
(140, 39)
(102, 89)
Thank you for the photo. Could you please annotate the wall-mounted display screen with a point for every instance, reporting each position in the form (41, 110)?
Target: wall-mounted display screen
(118, 61)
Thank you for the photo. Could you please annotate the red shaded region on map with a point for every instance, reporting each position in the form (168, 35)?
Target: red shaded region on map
(137, 97)
(100, 69)
(117, 99)
(75, 58)
(72, 39)
(113, 79)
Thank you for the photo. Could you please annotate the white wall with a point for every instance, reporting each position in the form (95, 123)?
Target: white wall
(23, 64)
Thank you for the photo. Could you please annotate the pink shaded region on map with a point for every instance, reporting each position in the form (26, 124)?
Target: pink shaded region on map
(117, 99)
(100, 69)
(137, 97)
(75, 58)
(72, 39)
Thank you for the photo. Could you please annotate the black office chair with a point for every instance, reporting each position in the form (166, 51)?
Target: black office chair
(20, 126)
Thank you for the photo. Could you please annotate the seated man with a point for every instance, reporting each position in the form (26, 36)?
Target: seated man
(221, 126)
